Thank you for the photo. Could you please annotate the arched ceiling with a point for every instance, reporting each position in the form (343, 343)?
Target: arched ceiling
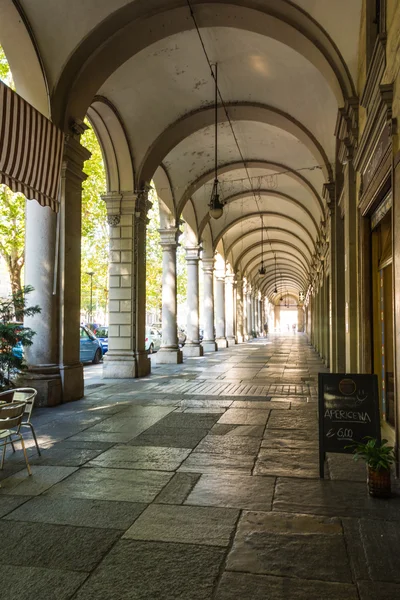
(285, 68)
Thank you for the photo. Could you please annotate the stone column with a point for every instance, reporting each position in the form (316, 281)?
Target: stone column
(40, 256)
(260, 316)
(169, 352)
(249, 313)
(350, 268)
(239, 310)
(71, 368)
(208, 343)
(245, 311)
(220, 323)
(192, 345)
(143, 205)
(122, 359)
(229, 306)
(254, 313)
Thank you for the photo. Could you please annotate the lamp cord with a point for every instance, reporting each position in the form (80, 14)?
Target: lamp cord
(218, 93)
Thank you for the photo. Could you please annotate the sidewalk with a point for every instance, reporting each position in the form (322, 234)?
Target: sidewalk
(199, 482)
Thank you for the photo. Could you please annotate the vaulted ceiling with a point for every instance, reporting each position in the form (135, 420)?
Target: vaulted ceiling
(285, 68)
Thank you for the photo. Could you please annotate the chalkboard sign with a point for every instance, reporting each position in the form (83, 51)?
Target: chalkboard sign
(348, 411)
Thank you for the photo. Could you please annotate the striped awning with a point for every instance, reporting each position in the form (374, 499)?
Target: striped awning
(31, 149)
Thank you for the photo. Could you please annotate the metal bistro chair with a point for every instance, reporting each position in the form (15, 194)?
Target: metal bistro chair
(10, 424)
(27, 395)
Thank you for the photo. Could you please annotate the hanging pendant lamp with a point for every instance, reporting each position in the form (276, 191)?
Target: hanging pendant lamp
(216, 207)
(275, 288)
(262, 270)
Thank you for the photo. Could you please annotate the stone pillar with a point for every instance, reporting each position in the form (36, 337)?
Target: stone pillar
(220, 323)
(245, 312)
(71, 368)
(260, 316)
(350, 268)
(253, 314)
(169, 352)
(249, 313)
(229, 306)
(40, 256)
(192, 345)
(143, 205)
(239, 310)
(300, 319)
(208, 343)
(277, 317)
(125, 359)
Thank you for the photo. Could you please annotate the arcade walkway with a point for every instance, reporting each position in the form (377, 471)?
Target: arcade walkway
(197, 483)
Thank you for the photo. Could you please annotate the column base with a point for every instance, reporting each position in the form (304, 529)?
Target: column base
(209, 346)
(143, 364)
(222, 342)
(192, 350)
(72, 382)
(239, 339)
(119, 366)
(230, 341)
(46, 380)
(169, 356)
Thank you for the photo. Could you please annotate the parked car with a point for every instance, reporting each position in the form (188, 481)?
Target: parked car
(152, 340)
(90, 347)
(102, 335)
(181, 336)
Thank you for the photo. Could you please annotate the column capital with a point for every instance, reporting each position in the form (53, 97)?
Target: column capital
(230, 278)
(74, 156)
(208, 265)
(169, 237)
(193, 253)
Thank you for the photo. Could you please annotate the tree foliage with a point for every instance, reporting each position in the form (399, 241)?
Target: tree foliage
(12, 212)
(12, 234)
(95, 237)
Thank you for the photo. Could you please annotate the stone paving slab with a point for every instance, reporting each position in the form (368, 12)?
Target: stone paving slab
(185, 524)
(42, 479)
(243, 416)
(28, 583)
(169, 437)
(287, 462)
(292, 420)
(229, 445)
(257, 404)
(288, 545)
(233, 491)
(178, 489)
(113, 484)
(374, 549)
(138, 457)
(151, 570)
(339, 498)
(378, 591)
(10, 503)
(55, 546)
(234, 586)
(203, 462)
(78, 512)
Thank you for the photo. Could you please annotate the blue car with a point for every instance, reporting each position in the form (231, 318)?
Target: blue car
(91, 349)
(102, 336)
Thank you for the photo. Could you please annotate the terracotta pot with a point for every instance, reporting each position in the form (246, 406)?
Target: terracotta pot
(379, 484)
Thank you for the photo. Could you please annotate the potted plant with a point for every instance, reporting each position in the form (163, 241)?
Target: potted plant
(379, 458)
(14, 336)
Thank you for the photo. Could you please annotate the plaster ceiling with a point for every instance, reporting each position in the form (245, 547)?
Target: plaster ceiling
(284, 71)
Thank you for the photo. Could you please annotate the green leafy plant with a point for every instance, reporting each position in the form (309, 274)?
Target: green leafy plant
(13, 335)
(378, 457)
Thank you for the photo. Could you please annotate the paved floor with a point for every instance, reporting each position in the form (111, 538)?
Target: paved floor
(199, 482)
